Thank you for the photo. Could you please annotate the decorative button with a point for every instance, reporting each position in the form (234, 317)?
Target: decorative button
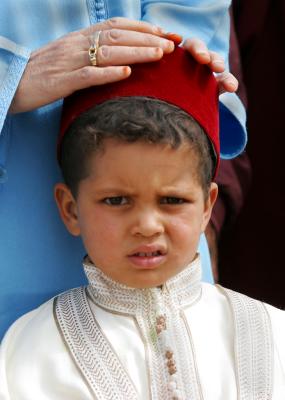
(172, 370)
(169, 354)
(161, 330)
(170, 363)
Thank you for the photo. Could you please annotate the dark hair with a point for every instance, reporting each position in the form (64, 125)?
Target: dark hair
(131, 119)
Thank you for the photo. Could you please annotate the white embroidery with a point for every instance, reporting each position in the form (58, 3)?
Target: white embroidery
(104, 372)
(91, 351)
(253, 347)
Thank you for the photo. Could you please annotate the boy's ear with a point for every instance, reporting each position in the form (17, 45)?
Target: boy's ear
(67, 207)
(209, 204)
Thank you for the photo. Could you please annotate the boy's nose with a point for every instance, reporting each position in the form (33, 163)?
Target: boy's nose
(148, 224)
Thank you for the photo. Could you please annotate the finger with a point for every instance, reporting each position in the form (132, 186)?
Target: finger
(198, 49)
(77, 45)
(126, 24)
(175, 37)
(119, 37)
(124, 55)
(116, 55)
(216, 63)
(93, 76)
(227, 82)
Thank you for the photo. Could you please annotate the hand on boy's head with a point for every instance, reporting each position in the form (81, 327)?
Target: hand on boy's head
(198, 49)
(63, 66)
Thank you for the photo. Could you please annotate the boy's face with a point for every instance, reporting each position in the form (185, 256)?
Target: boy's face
(140, 212)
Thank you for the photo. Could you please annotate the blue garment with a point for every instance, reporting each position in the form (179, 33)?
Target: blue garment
(38, 257)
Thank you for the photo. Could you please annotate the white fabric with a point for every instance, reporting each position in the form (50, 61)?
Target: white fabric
(36, 365)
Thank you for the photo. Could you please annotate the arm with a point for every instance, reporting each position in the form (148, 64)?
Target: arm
(204, 19)
(62, 66)
(13, 61)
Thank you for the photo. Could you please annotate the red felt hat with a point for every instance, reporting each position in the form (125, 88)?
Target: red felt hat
(177, 78)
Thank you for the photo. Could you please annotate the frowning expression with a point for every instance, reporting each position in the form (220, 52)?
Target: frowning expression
(140, 212)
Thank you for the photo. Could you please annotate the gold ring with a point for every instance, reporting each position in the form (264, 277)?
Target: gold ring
(93, 49)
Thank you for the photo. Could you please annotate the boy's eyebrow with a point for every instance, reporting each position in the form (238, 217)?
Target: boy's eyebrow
(182, 190)
(178, 184)
(114, 190)
(167, 190)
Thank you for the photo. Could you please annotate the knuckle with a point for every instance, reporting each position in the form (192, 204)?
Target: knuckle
(104, 75)
(103, 53)
(50, 83)
(136, 51)
(85, 74)
(106, 72)
(113, 36)
(113, 22)
(215, 55)
(62, 52)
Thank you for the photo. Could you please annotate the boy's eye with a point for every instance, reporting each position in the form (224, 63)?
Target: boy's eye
(115, 201)
(172, 200)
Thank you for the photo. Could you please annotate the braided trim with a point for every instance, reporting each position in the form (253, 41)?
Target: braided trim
(253, 347)
(97, 11)
(89, 348)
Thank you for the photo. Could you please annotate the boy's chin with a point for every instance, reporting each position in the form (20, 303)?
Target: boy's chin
(144, 278)
(149, 280)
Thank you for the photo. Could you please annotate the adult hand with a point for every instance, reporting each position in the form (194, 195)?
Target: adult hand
(226, 81)
(63, 66)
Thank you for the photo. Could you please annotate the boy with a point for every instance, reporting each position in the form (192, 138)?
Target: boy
(138, 188)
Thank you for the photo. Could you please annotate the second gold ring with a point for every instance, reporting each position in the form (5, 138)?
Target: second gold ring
(93, 49)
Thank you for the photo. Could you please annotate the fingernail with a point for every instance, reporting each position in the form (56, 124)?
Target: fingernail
(126, 70)
(219, 66)
(174, 37)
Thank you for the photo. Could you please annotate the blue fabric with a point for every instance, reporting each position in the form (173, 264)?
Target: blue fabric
(38, 257)
(234, 143)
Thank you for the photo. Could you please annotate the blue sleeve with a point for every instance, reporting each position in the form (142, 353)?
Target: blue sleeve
(13, 60)
(207, 20)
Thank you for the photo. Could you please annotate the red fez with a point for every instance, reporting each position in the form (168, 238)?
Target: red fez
(177, 79)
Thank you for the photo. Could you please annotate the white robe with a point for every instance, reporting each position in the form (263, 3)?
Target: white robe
(100, 342)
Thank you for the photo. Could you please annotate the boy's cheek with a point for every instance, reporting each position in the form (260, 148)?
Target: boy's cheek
(99, 229)
(185, 230)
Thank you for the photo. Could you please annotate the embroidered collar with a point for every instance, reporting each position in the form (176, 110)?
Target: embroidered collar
(183, 289)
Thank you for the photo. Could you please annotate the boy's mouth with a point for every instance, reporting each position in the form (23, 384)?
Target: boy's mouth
(147, 257)
(148, 254)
